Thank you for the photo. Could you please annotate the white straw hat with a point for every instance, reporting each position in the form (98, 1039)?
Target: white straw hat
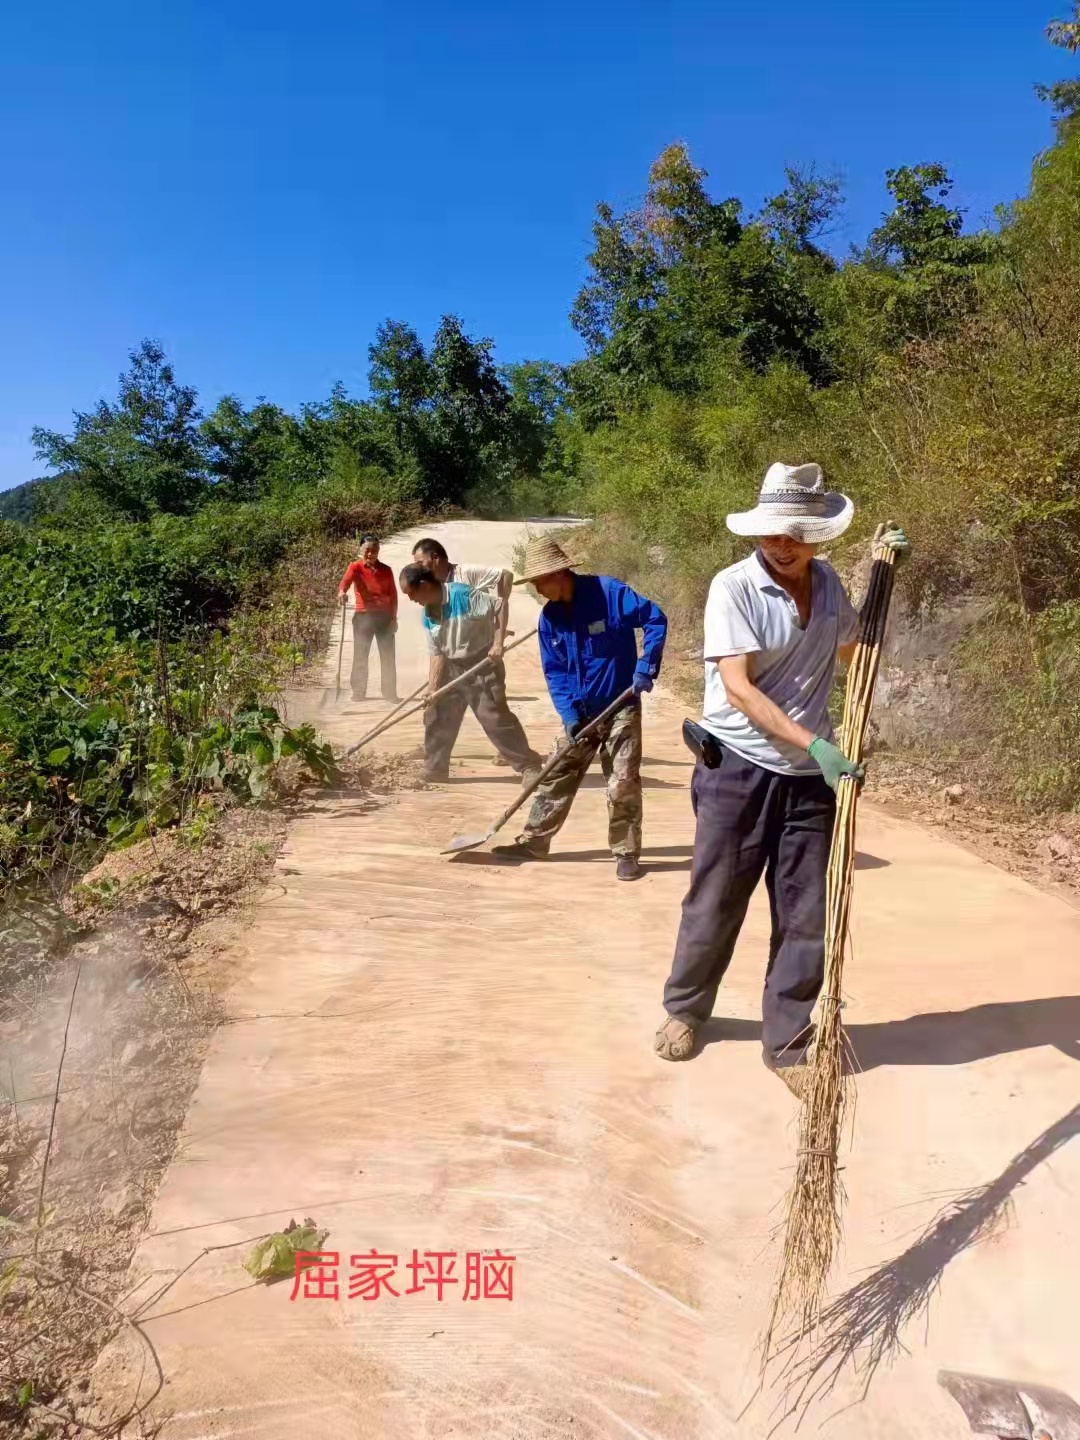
(543, 556)
(794, 501)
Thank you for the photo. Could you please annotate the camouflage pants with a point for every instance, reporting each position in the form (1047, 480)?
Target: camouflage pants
(619, 746)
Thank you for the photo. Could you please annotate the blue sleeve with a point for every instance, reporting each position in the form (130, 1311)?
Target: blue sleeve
(633, 609)
(559, 682)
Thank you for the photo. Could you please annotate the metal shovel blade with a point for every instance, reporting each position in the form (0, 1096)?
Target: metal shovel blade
(467, 842)
(1012, 1409)
(470, 842)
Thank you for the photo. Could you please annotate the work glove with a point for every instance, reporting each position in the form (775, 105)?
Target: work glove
(834, 763)
(894, 537)
(642, 683)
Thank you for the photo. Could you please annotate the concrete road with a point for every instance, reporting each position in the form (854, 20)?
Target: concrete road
(457, 1057)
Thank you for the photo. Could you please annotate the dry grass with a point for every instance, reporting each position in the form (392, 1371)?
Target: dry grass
(101, 1050)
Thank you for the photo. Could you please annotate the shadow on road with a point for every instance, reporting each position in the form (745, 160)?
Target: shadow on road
(947, 1037)
(591, 782)
(864, 1326)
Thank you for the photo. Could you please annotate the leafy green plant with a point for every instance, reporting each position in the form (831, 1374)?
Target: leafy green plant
(274, 1258)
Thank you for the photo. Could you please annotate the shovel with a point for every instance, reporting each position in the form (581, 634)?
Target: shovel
(394, 716)
(337, 683)
(1012, 1410)
(470, 842)
(340, 652)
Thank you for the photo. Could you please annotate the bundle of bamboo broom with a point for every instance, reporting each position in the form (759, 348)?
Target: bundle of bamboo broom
(813, 1224)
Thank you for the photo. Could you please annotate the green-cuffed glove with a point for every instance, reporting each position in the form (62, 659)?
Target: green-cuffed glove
(834, 763)
(893, 536)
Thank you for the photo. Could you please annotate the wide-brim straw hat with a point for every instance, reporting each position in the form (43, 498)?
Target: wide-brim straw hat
(794, 502)
(543, 556)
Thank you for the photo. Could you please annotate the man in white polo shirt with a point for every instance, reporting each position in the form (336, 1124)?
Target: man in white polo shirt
(763, 789)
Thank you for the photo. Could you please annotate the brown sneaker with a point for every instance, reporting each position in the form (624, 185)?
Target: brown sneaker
(627, 868)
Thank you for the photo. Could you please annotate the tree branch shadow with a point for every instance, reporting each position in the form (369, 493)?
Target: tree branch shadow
(864, 1326)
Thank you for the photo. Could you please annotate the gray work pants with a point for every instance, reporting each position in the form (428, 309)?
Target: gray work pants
(377, 626)
(485, 695)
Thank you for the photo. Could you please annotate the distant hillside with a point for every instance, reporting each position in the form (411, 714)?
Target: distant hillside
(18, 504)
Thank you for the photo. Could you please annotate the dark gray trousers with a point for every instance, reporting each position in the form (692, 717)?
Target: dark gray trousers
(377, 625)
(485, 695)
(751, 820)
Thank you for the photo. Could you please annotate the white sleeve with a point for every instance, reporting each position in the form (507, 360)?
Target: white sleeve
(729, 622)
(479, 577)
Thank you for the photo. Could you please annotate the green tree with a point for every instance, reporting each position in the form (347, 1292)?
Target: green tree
(921, 230)
(401, 383)
(632, 320)
(803, 211)
(918, 273)
(1064, 95)
(677, 282)
(471, 428)
(399, 376)
(249, 451)
(143, 454)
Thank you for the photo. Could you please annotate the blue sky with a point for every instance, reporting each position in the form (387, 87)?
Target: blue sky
(257, 186)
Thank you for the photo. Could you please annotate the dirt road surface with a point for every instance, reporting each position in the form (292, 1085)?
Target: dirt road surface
(456, 1056)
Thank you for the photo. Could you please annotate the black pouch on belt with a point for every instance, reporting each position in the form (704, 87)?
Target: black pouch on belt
(702, 744)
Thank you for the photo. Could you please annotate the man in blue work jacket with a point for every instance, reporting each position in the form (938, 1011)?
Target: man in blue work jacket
(588, 649)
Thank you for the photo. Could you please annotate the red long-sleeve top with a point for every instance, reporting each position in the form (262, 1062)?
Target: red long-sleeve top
(373, 585)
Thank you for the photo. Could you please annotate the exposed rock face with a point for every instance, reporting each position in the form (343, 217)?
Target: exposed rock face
(916, 697)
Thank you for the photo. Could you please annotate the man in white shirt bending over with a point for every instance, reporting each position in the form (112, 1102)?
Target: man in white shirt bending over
(432, 554)
(763, 789)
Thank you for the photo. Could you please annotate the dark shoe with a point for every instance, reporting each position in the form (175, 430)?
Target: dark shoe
(519, 850)
(433, 777)
(358, 699)
(627, 868)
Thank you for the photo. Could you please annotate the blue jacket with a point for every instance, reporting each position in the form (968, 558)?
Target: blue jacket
(588, 648)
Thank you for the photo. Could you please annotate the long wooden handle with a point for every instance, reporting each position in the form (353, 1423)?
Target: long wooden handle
(563, 750)
(388, 720)
(443, 690)
(340, 652)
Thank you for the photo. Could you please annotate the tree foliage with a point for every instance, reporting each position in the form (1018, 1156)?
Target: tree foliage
(141, 455)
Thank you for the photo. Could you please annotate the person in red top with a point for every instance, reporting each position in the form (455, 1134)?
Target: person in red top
(375, 618)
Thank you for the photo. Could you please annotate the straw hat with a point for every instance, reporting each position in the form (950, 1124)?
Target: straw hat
(543, 556)
(794, 501)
